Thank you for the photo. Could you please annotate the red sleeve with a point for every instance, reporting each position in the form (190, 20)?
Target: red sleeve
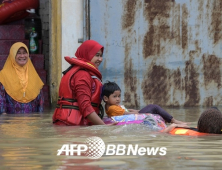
(81, 84)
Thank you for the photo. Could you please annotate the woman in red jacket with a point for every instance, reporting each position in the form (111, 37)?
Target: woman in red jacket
(79, 100)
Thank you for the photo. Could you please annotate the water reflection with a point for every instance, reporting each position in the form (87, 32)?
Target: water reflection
(30, 141)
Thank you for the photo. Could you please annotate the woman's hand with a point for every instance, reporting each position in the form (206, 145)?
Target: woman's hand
(111, 124)
(4, 113)
(96, 120)
(173, 125)
(177, 121)
(182, 125)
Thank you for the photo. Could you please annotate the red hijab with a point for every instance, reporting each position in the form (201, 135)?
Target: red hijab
(87, 50)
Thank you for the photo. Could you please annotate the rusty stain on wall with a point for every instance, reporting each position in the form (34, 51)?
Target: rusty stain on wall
(191, 82)
(184, 27)
(176, 76)
(176, 24)
(216, 21)
(177, 84)
(197, 46)
(155, 85)
(156, 12)
(211, 70)
(200, 9)
(208, 101)
(128, 18)
(130, 81)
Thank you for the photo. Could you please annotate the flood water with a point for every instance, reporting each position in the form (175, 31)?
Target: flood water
(31, 141)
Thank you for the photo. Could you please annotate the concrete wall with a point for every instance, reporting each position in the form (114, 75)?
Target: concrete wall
(62, 26)
(72, 28)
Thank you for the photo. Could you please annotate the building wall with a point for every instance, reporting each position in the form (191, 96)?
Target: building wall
(72, 28)
(62, 26)
(166, 52)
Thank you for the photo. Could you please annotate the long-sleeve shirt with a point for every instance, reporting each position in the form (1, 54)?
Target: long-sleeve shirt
(115, 110)
(83, 87)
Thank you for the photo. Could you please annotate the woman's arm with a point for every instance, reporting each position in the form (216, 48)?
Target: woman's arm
(81, 85)
(95, 119)
(172, 126)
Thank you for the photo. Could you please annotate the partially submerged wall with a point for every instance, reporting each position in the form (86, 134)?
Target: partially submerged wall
(166, 52)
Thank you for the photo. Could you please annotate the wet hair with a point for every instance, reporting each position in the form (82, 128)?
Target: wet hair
(109, 88)
(210, 121)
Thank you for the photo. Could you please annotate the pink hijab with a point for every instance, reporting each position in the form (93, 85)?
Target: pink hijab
(87, 50)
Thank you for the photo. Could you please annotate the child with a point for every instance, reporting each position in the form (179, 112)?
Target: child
(210, 121)
(111, 95)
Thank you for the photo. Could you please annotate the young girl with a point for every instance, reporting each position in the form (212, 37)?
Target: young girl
(111, 94)
(210, 121)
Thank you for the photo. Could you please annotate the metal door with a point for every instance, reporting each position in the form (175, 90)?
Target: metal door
(166, 52)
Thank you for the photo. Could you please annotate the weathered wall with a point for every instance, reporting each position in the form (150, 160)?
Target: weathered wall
(50, 13)
(166, 52)
(62, 26)
(72, 28)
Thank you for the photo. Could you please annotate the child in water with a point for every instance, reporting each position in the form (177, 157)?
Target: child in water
(210, 120)
(111, 95)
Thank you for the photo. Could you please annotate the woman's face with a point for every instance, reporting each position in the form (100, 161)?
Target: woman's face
(21, 57)
(98, 58)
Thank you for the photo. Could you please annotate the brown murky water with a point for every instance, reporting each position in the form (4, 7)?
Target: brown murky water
(30, 141)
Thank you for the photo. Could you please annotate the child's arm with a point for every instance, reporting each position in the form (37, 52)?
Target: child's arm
(128, 113)
(133, 110)
(172, 126)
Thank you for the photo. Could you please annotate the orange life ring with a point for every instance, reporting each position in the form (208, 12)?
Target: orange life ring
(16, 10)
(83, 64)
(187, 132)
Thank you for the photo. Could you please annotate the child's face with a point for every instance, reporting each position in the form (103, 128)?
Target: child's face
(114, 99)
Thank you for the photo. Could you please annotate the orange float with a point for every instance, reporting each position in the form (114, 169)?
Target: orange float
(13, 10)
(187, 132)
